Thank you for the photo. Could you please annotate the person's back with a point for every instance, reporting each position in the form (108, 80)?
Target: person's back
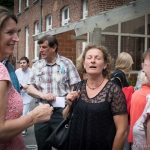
(118, 77)
(123, 66)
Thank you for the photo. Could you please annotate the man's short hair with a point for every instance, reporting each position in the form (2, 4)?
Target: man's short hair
(52, 41)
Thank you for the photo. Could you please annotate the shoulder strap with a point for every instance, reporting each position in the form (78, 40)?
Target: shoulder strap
(117, 78)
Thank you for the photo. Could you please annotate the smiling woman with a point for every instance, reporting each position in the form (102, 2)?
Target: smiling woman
(12, 123)
(8, 36)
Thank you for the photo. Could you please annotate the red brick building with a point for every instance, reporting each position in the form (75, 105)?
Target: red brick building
(120, 25)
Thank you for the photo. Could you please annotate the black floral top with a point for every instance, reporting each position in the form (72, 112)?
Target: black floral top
(92, 125)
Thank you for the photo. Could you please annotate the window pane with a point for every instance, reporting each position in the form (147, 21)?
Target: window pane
(135, 26)
(148, 25)
(148, 43)
(134, 46)
(113, 28)
(66, 14)
(111, 43)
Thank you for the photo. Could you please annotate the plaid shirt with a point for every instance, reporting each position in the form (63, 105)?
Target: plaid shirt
(56, 78)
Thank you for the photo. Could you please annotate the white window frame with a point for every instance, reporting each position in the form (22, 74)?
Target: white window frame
(84, 44)
(27, 41)
(27, 3)
(19, 6)
(85, 9)
(36, 47)
(48, 22)
(65, 20)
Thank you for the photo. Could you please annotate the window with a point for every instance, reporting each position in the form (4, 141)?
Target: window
(135, 47)
(19, 6)
(36, 28)
(148, 43)
(148, 25)
(85, 8)
(27, 42)
(27, 3)
(48, 22)
(84, 44)
(131, 36)
(65, 16)
(36, 47)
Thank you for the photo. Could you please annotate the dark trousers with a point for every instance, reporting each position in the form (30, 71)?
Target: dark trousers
(43, 130)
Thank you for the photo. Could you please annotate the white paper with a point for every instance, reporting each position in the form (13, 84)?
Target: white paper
(59, 102)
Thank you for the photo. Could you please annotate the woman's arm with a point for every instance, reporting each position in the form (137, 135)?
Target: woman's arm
(11, 128)
(121, 123)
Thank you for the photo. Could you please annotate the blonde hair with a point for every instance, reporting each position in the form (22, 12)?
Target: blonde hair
(124, 62)
(106, 56)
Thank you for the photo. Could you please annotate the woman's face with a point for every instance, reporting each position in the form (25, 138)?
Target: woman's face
(8, 38)
(94, 62)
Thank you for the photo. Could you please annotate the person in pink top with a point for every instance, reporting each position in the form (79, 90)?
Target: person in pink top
(12, 123)
(138, 103)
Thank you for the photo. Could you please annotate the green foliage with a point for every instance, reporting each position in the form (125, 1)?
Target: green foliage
(7, 3)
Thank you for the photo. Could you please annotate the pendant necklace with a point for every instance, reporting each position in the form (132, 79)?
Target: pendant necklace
(93, 88)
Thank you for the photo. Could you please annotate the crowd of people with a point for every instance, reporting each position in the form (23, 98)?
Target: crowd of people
(104, 118)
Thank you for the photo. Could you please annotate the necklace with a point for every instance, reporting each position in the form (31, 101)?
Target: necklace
(93, 88)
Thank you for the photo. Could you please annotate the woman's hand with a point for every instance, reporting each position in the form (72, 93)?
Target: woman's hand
(72, 96)
(41, 113)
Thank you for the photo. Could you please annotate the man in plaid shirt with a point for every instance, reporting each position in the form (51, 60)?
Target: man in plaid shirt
(53, 76)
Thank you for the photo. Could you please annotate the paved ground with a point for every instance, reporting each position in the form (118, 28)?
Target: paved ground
(29, 139)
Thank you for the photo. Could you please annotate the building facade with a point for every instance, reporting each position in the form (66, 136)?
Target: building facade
(120, 25)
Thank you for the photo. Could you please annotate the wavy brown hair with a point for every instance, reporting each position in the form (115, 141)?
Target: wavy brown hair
(106, 56)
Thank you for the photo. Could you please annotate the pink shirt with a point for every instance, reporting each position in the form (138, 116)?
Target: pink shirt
(13, 111)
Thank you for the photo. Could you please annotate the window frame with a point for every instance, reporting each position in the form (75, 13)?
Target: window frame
(36, 47)
(85, 9)
(27, 41)
(65, 20)
(48, 22)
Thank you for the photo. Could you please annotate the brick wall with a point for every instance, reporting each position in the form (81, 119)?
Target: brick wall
(29, 16)
(67, 45)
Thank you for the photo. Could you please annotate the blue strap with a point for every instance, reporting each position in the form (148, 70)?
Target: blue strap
(13, 76)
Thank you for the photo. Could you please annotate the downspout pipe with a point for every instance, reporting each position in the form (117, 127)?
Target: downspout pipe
(41, 14)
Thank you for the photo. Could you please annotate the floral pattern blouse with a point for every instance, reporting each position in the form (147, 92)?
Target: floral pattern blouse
(13, 111)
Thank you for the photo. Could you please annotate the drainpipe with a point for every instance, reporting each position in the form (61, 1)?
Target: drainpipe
(41, 14)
